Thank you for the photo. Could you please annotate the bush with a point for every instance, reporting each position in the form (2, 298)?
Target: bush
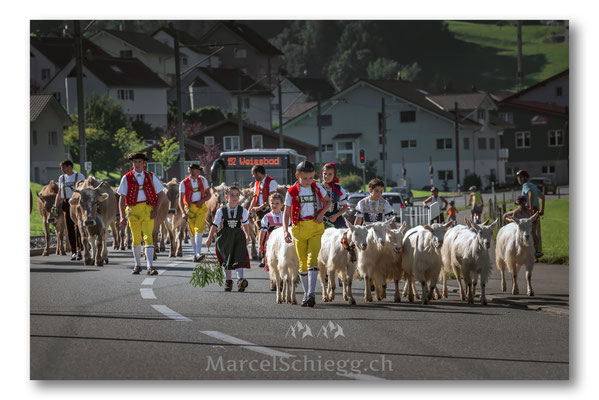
(351, 182)
(208, 115)
(473, 180)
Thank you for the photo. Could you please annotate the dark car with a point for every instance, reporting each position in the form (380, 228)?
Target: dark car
(545, 184)
(406, 194)
(352, 201)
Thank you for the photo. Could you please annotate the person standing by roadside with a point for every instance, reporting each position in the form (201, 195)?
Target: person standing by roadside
(141, 192)
(66, 184)
(475, 200)
(193, 195)
(435, 198)
(535, 200)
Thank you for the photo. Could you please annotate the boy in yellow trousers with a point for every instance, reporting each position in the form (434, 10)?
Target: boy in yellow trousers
(306, 203)
(194, 192)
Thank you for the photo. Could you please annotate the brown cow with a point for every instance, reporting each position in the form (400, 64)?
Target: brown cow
(119, 232)
(95, 204)
(174, 223)
(45, 201)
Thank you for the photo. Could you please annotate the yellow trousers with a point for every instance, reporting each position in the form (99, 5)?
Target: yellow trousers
(141, 223)
(307, 236)
(196, 217)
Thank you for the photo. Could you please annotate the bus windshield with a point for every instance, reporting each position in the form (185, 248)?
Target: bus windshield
(243, 177)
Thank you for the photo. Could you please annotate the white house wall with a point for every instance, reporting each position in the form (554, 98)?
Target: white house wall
(192, 56)
(547, 93)
(44, 157)
(289, 94)
(37, 63)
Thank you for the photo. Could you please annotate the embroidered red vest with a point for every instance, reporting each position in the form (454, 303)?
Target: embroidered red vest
(133, 189)
(265, 189)
(296, 206)
(189, 189)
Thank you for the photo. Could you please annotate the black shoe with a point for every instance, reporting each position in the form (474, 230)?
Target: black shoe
(242, 284)
(228, 285)
(152, 271)
(305, 301)
(199, 258)
(74, 257)
(262, 265)
(136, 270)
(311, 301)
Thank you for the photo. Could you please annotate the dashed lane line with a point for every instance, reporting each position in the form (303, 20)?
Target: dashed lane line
(148, 281)
(363, 377)
(246, 345)
(147, 293)
(170, 313)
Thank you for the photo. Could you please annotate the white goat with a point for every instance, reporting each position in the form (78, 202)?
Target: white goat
(390, 262)
(515, 248)
(367, 259)
(335, 261)
(421, 258)
(465, 252)
(283, 265)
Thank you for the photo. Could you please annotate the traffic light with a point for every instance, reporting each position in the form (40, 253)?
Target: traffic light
(362, 157)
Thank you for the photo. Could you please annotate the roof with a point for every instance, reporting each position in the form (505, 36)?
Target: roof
(466, 101)
(298, 108)
(537, 85)
(255, 128)
(248, 35)
(127, 72)
(62, 50)
(39, 102)
(145, 43)
(316, 88)
(347, 136)
(537, 106)
(229, 79)
(185, 39)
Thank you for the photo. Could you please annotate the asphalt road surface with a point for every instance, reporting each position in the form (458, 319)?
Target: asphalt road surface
(104, 323)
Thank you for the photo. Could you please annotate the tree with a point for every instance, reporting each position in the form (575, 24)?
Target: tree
(410, 72)
(145, 130)
(127, 141)
(383, 68)
(166, 152)
(207, 156)
(104, 114)
(208, 115)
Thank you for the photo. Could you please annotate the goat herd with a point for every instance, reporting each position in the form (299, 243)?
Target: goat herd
(422, 255)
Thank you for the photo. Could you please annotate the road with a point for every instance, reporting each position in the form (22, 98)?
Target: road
(104, 323)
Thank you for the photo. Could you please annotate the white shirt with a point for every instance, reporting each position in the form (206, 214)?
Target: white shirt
(278, 218)
(306, 200)
(67, 182)
(218, 217)
(342, 199)
(273, 188)
(141, 195)
(197, 194)
(380, 206)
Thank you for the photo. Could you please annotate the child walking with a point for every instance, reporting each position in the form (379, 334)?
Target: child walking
(452, 212)
(232, 239)
(306, 203)
(374, 207)
(336, 193)
(269, 223)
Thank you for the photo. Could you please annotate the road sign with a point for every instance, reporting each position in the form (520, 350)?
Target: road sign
(88, 165)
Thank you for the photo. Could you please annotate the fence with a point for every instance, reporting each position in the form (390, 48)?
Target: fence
(419, 215)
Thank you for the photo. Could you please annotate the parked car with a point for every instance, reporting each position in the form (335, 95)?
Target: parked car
(545, 184)
(406, 194)
(352, 201)
(396, 201)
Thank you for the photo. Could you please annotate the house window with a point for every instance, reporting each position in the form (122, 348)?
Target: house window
(445, 175)
(507, 117)
(45, 73)
(155, 168)
(522, 140)
(240, 53)
(257, 142)
(482, 143)
(492, 143)
(407, 116)
(52, 138)
(209, 140)
(556, 138)
(408, 144)
(466, 172)
(125, 94)
(548, 169)
(443, 144)
(466, 143)
(246, 102)
(481, 115)
(56, 96)
(139, 117)
(558, 91)
(327, 147)
(274, 107)
(345, 152)
(231, 143)
(34, 137)
(184, 60)
(126, 54)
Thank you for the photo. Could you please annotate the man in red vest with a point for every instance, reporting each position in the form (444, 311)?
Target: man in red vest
(264, 187)
(141, 192)
(193, 194)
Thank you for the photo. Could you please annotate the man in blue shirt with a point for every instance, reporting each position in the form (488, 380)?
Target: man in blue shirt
(533, 195)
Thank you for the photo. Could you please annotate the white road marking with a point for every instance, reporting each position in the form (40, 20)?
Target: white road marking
(148, 281)
(147, 294)
(363, 377)
(161, 271)
(170, 313)
(246, 345)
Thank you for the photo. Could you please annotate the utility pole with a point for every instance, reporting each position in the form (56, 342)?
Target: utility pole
(457, 146)
(182, 171)
(239, 112)
(520, 76)
(319, 132)
(80, 103)
(384, 140)
(280, 114)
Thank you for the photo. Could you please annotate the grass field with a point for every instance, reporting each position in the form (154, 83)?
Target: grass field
(36, 226)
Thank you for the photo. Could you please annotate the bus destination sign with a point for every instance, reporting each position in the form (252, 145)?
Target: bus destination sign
(245, 161)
